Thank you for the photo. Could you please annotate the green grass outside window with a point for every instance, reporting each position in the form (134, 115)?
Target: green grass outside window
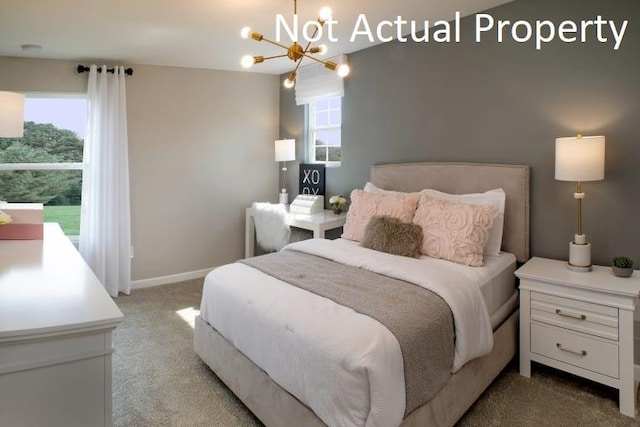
(67, 216)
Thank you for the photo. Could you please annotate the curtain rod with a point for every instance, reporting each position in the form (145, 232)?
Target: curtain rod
(83, 68)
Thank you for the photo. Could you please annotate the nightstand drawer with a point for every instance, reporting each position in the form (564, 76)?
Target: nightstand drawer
(592, 354)
(576, 315)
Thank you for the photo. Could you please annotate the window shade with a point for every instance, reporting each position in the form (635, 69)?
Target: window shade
(315, 81)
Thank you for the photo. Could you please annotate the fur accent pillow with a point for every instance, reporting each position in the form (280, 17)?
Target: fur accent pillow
(365, 206)
(390, 235)
(454, 231)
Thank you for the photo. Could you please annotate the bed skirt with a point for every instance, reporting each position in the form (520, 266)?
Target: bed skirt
(274, 406)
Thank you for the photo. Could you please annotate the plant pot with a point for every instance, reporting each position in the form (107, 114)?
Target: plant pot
(337, 210)
(622, 272)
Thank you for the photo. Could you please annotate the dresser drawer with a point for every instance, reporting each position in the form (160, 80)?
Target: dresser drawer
(593, 319)
(587, 353)
(26, 354)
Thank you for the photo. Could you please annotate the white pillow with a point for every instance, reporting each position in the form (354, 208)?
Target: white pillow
(371, 188)
(494, 197)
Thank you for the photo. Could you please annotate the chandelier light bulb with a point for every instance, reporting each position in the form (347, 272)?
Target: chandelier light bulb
(325, 13)
(288, 83)
(323, 49)
(343, 70)
(245, 32)
(247, 61)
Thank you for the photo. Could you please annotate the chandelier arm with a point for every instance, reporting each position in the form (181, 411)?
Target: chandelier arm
(315, 32)
(315, 59)
(275, 56)
(298, 62)
(306, 49)
(264, 39)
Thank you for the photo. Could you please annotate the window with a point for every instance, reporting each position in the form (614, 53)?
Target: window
(324, 127)
(45, 166)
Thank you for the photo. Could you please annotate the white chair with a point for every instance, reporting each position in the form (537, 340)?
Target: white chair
(272, 231)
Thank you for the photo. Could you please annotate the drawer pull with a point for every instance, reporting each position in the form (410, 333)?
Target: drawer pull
(579, 353)
(573, 316)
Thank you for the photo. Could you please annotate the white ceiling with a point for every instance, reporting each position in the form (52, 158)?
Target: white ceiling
(192, 33)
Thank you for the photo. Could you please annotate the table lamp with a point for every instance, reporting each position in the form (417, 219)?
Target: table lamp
(580, 158)
(11, 115)
(285, 151)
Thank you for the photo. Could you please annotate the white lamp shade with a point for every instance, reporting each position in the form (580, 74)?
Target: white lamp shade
(11, 115)
(285, 150)
(580, 158)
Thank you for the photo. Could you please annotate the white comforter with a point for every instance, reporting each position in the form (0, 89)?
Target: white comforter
(345, 366)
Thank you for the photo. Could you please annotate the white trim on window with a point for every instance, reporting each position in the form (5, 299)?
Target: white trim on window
(40, 166)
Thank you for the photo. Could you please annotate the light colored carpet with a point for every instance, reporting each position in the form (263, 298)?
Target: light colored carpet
(159, 380)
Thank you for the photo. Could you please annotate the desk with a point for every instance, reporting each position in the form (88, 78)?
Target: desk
(318, 223)
(56, 321)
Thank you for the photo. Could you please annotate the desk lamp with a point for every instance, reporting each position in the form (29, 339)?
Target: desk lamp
(285, 151)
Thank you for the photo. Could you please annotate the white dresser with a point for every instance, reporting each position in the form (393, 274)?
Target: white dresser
(56, 321)
(580, 323)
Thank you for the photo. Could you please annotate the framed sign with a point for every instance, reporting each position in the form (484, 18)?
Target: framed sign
(312, 179)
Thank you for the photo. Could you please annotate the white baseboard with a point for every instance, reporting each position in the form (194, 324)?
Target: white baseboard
(173, 278)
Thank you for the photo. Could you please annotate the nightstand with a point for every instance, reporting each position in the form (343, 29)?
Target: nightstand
(580, 323)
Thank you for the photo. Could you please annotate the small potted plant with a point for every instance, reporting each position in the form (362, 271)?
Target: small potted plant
(337, 203)
(622, 266)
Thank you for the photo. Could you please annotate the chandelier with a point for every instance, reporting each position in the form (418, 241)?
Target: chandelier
(295, 52)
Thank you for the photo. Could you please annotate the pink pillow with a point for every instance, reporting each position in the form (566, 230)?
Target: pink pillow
(454, 231)
(366, 205)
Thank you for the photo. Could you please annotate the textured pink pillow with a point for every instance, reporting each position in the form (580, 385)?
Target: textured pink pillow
(454, 231)
(366, 205)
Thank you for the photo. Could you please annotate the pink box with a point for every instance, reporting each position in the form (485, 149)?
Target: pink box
(21, 232)
(24, 213)
(26, 221)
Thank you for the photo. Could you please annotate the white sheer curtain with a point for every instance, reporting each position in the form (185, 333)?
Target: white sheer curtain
(105, 223)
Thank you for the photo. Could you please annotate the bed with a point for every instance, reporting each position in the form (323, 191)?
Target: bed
(272, 397)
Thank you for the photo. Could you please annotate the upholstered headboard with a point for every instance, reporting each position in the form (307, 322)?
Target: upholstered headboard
(460, 178)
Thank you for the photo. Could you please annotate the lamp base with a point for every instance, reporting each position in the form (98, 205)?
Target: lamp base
(283, 198)
(580, 257)
(579, 269)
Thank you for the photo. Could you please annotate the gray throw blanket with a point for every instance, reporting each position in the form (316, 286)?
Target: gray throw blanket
(419, 319)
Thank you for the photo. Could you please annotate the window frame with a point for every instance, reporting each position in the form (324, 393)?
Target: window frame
(310, 114)
(50, 166)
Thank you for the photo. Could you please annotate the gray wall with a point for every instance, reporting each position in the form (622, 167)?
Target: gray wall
(196, 147)
(503, 103)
